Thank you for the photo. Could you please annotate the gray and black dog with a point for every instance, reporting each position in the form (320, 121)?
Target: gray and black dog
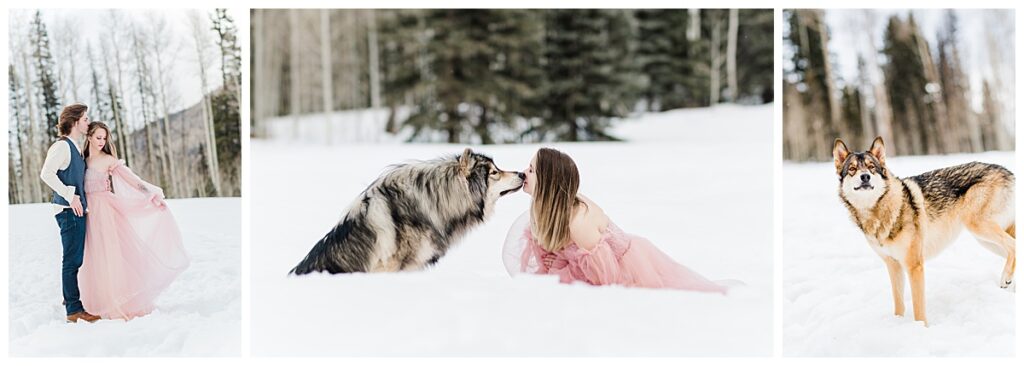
(409, 217)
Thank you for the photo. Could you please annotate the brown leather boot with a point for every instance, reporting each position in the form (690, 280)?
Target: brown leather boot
(82, 315)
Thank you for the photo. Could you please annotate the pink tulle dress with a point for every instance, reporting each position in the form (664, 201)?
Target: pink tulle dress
(133, 248)
(618, 259)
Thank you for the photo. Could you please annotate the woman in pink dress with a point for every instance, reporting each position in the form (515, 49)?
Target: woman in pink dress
(570, 236)
(133, 248)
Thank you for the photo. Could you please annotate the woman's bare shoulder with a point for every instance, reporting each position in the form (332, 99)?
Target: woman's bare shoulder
(589, 211)
(586, 224)
(101, 162)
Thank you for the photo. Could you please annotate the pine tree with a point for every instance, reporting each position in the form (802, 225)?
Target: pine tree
(516, 38)
(915, 98)
(226, 101)
(231, 52)
(468, 66)
(851, 105)
(812, 80)
(586, 69)
(401, 56)
(666, 56)
(963, 132)
(45, 65)
(756, 55)
(17, 174)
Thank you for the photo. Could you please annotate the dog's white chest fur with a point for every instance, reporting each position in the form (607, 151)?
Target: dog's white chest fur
(893, 249)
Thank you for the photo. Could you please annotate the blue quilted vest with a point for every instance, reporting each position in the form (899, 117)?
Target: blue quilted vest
(73, 175)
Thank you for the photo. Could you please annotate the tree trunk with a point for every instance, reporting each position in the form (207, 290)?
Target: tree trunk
(882, 109)
(716, 64)
(327, 84)
(201, 38)
(830, 88)
(257, 76)
(693, 32)
(35, 165)
(125, 134)
(374, 61)
(166, 133)
(293, 67)
(731, 55)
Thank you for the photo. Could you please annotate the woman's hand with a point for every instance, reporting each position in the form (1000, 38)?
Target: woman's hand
(549, 260)
(157, 201)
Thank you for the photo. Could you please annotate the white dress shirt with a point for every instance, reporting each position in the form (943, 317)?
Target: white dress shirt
(58, 157)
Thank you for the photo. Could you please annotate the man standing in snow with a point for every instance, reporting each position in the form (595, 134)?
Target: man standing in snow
(64, 172)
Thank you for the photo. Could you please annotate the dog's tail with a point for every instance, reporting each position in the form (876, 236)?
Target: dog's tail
(334, 253)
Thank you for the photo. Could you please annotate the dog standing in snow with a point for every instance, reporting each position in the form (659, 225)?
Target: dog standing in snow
(909, 220)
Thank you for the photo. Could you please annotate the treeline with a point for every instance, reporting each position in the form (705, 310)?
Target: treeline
(128, 75)
(495, 76)
(914, 94)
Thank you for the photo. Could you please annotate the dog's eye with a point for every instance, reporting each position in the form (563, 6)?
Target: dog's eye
(494, 172)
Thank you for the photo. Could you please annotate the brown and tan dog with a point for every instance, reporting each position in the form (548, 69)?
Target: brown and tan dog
(909, 220)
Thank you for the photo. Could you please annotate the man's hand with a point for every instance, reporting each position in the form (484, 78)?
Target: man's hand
(76, 206)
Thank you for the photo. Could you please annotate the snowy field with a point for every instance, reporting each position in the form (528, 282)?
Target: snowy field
(698, 183)
(198, 315)
(837, 294)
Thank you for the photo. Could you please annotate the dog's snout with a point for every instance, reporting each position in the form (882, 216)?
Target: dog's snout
(521, 175)
(865, 177)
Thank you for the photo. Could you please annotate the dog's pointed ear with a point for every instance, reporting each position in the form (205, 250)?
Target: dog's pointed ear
(839, 153)
(878, 149)
(466, 162)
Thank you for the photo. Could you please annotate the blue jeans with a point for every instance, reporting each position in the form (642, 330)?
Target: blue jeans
(72, 236)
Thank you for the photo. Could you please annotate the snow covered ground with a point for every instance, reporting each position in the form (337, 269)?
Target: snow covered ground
(837, 299)
(198, 315)
(698, 183)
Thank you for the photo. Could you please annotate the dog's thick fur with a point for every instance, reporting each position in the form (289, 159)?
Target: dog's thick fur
(907, 221)
(410, 216)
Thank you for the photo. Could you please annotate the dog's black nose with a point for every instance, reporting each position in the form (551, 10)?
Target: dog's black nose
(865, 177)
(522, 176)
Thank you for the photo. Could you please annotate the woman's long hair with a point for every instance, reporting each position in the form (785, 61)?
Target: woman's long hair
(108, 147)
(554, 198)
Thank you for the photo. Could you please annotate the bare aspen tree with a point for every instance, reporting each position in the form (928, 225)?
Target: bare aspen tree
(34, 148)
(201, 37)
(327, 84)
(25, 179)
(293, 66)
(163, 47)
(258, 74)
(141, 82)
(693, 31)
(829, 76)
(883, 112)
(730, 69)
(374, 62)
(111, 50)
(68, 42)
(995, 43)
(716, 60)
